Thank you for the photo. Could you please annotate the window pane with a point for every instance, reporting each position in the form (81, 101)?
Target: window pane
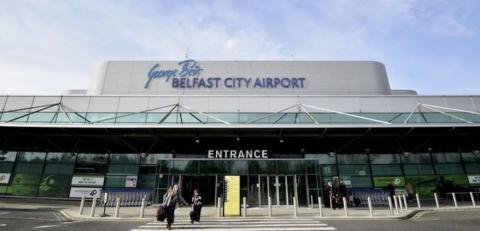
(384, 158)
(449, 168)
(13, 115)
(239, 167)
(471, 157)
(417, 158)
(118, 169)
(155, 117)
(386, 170)
(46, 117)
(101, 117)
(213, 166)
(472, 168)
(446, 157)
(328, 170)
(418, 169)
(185, 166)
(132, 118)
(52, 168)
(72, 117)
(361, 182)
(124, 158)
(322, 158)
(61, 157)
(29, 167)
(6, 167)
(31, 156)
(268, 167)
(354, 170)
(352, 159)
(154, 158)
(115, 182)
(85, 158)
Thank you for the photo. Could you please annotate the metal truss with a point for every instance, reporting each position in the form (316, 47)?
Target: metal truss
(180, 110)
(442, 110)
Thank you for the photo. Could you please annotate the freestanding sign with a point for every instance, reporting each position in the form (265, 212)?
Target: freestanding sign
(232, 196)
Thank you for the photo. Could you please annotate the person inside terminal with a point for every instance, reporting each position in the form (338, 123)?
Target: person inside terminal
(279, 129)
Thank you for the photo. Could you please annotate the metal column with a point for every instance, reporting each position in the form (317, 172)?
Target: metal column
(286, 189)
(277, 190)
(259, 192)
(216, 189)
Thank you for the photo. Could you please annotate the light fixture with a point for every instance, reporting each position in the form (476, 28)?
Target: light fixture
(238, 138)
(332, 154)
(367, 150)
(430, 149)
(406, 153)
(281, 140)
(197, 140)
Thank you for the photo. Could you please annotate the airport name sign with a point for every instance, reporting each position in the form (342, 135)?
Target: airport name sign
(187, 75)
(237, 154)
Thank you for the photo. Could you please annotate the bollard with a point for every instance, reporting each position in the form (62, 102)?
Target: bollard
(454, 200)
(82, 204)
(418, 200)
(142, 208)
(399, 198)
(390, 205)
(117, 208)
(320, 207)
(436, 200)
(395, 201)
(473, 199)
(311, 201)
(94, 205)
(405, 202)
(244, 207)
(219, 208)
(270, 206)
(294, 207)
(345, 208)
(370, 206)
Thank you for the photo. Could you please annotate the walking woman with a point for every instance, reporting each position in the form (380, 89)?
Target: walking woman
(170, 200)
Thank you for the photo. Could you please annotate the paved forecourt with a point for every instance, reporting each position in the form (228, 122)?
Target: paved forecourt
(260, 224)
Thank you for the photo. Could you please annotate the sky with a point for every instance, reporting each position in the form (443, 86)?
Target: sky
(432, 46)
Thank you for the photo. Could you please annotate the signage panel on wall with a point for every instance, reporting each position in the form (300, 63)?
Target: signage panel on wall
(474, 180)
(4, 178)
(232, 196)
(237, 154)
(131, 181)
(86, 192)
(83, 180)
(189, 75)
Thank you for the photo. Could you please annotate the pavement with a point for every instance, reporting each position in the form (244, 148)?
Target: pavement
(37, 214)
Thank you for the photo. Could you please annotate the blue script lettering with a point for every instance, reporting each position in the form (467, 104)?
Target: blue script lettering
(188, 67)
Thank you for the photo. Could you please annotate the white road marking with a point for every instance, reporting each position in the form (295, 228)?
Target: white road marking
(252, 229)
(237, 224)
(45, 226)
(3, 225)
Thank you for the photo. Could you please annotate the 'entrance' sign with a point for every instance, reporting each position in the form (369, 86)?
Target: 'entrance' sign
(238, 154)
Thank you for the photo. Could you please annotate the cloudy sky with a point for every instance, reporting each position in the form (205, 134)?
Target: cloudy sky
(432, 46)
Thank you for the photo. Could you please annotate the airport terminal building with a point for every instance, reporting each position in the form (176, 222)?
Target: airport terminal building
(285, 127)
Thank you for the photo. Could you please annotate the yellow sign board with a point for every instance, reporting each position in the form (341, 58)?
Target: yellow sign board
(232, 196)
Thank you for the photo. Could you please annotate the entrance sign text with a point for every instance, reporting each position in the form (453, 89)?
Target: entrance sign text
(188, 76)
(238, 154)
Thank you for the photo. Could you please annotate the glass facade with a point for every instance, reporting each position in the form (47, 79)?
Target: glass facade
(50, 174)
(232, 117)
